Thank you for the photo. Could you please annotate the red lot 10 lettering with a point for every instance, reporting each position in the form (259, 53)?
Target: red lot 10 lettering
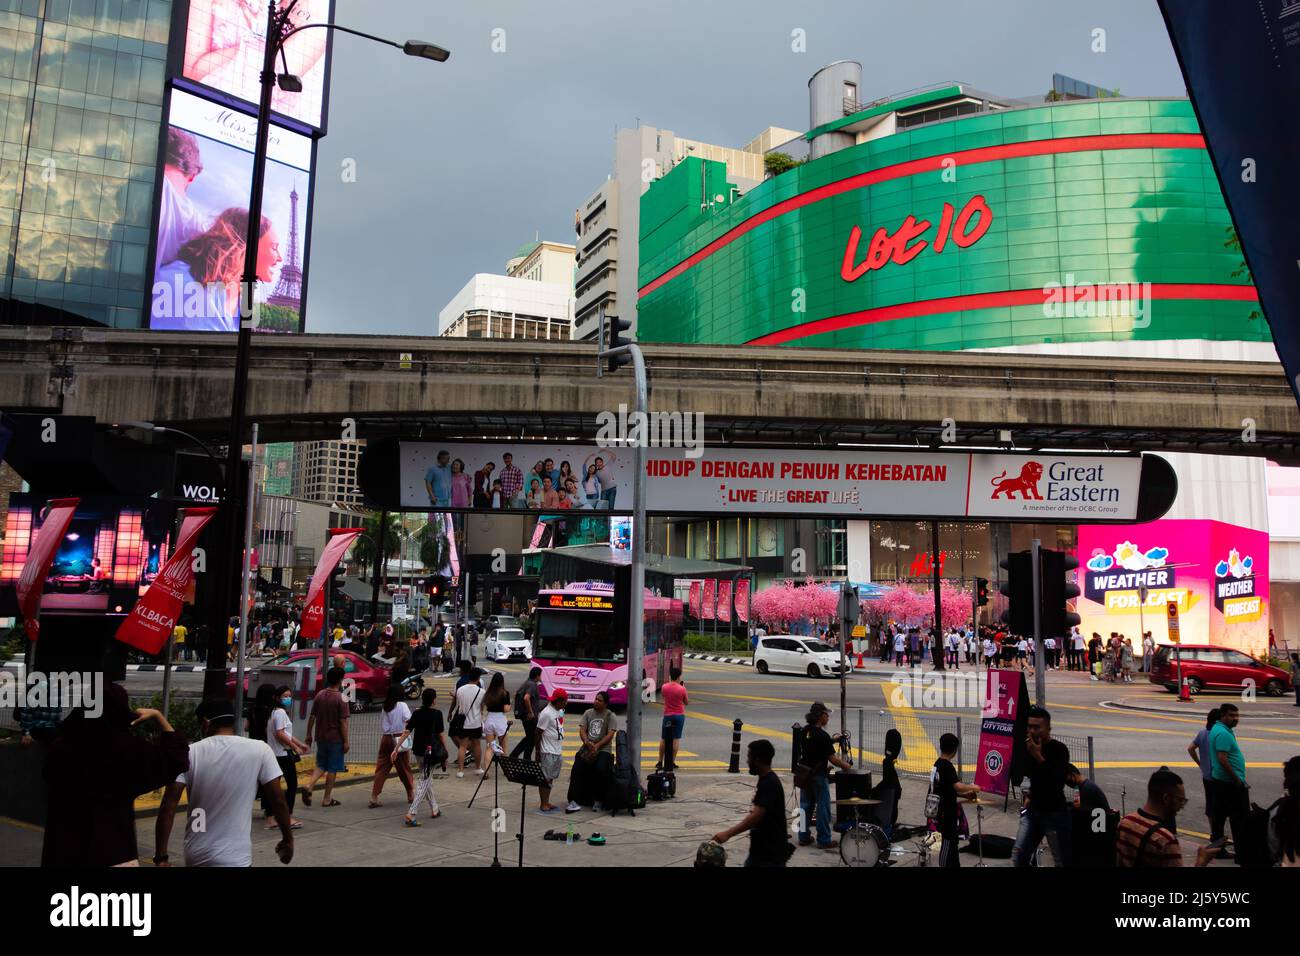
(898, 247)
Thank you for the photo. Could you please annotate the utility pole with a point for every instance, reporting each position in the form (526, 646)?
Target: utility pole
(1040, 663)
(937, 650)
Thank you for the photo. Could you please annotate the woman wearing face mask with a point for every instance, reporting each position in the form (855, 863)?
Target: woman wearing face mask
(288, 749)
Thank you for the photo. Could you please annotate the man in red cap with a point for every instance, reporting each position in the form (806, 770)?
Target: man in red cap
(550, 736)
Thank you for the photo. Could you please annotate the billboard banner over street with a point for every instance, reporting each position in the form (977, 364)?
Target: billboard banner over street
(225, 43)
(849, 482)
(203, 221)
(1215, 574)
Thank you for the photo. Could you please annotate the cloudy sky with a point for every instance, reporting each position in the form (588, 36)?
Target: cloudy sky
(459, 163)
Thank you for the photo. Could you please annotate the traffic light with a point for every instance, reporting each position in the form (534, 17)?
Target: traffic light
(439, 587)
(1018, 586)
(1056, 621)
(614, 338)
(338, 599)
(981, 592)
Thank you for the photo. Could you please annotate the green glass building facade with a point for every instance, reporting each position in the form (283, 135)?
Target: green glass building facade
(81, 93)
(1109, 193)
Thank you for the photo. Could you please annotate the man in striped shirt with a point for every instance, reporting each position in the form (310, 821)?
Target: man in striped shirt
(1149, 837)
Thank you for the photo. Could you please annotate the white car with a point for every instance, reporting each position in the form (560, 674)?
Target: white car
(789, 654)
(501, 620)
(508, 643)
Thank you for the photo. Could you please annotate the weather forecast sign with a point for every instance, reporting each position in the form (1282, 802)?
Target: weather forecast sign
(1214, 574)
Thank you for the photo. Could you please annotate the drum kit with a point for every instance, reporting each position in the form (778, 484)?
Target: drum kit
(865, 844)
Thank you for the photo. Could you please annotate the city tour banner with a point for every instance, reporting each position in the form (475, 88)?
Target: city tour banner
(1004, 721)
(852, 483)
(1216, 573)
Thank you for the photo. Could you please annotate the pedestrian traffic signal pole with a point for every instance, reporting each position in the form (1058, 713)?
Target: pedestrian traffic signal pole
(636, 611)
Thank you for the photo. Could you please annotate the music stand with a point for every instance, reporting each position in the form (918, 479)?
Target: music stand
(526, 773)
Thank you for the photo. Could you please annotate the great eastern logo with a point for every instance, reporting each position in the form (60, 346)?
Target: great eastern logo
(1026, 482)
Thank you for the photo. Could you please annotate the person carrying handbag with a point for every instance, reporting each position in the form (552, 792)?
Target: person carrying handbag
(467, 722)
(429, 745)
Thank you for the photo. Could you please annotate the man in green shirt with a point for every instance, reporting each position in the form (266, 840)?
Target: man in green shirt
(1228, 776)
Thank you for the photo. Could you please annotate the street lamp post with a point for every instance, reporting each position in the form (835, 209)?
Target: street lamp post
(278, 30)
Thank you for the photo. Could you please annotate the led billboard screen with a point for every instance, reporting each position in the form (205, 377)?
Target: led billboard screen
(110, 554)
(225, 42)
(203, 218)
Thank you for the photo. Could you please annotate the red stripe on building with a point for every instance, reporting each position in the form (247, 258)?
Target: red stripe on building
(994, 300)
(963, 157)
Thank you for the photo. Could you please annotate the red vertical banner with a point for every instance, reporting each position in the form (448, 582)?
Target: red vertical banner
(710, 595)
(724, 601)
(313, 615)
(742, 600)
(151, 621)
(45, 543)
(695, 599)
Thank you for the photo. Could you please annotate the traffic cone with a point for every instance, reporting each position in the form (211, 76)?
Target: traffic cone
(859, 666)
(1185, 692)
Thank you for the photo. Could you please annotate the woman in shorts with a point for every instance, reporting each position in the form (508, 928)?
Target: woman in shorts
(496, 702)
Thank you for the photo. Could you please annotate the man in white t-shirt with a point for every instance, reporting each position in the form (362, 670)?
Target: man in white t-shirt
(550, 736)
(989, 649)
(225, 773)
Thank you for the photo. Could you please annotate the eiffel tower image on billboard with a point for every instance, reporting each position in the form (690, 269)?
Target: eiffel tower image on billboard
(288, 288)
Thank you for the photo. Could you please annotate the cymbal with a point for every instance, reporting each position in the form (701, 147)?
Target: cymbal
(857, 802)
(976, 801)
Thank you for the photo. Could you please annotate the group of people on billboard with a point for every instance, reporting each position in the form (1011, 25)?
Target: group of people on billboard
(545, 486)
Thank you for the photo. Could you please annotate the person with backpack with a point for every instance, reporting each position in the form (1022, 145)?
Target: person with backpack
(1148, 837)
(430, 747)
(528, 704)
(816, 754)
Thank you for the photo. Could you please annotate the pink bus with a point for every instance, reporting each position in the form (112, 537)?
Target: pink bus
(581, 649)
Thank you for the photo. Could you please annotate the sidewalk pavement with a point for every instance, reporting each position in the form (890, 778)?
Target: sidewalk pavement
(664, 833)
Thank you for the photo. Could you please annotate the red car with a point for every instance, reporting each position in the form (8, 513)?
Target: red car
(1207, 667)
(371, 680)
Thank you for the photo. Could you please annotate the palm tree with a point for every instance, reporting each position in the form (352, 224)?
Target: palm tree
(363, 551)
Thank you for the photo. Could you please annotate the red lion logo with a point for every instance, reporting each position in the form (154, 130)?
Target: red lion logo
(1026, 483)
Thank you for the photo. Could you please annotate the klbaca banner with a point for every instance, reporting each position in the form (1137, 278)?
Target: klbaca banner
(313, 615)
(153, 618)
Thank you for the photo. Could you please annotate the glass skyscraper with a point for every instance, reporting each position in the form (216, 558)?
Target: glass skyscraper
(81, 94)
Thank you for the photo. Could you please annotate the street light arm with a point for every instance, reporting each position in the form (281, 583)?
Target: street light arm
(420, 48)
